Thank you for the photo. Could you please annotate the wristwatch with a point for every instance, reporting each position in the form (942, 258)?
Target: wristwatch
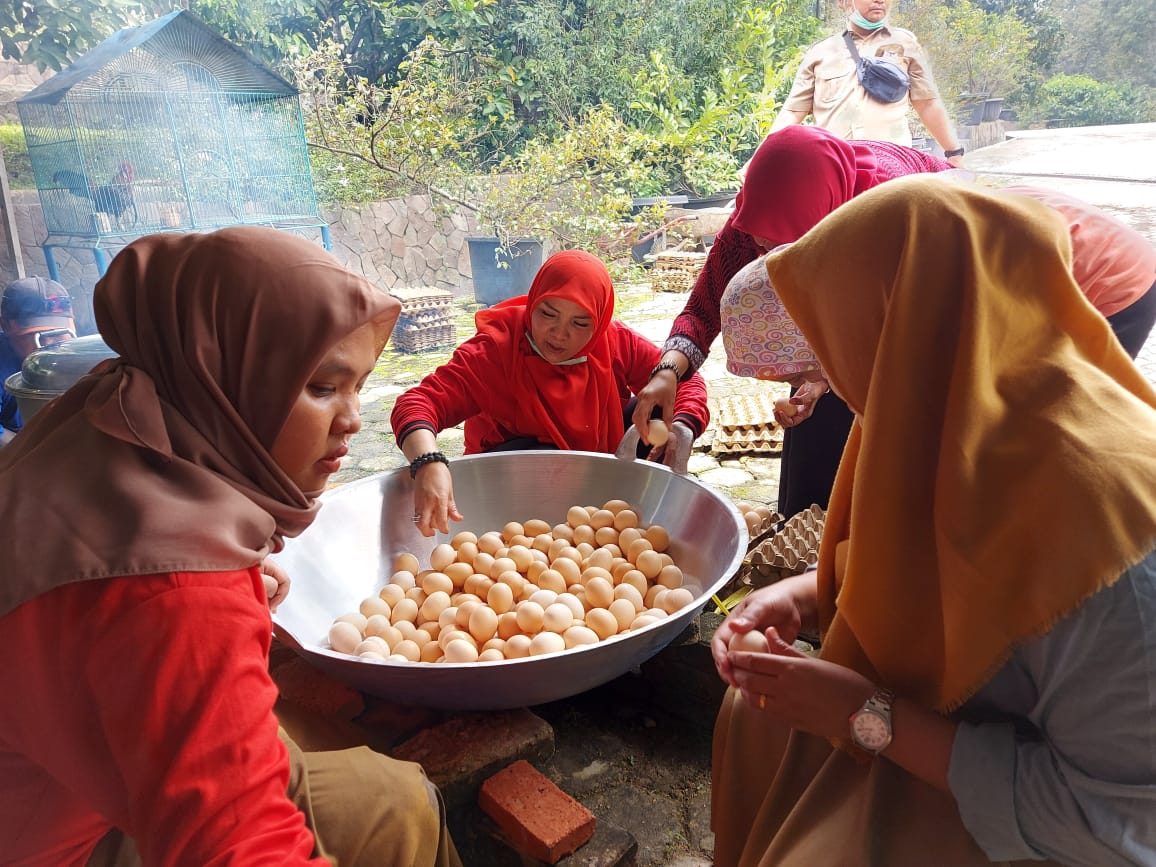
(954, 152)
(871, 724)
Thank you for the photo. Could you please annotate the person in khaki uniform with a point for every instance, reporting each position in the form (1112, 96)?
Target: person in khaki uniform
(827, 87)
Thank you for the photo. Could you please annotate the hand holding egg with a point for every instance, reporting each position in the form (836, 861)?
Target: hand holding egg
(752, 641)
(658, 432)
(783, 405)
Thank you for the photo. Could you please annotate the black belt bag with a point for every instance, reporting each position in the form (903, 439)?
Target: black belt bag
(882, 79)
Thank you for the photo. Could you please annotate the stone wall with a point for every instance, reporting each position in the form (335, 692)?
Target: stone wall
(15, 81)
(395, 243)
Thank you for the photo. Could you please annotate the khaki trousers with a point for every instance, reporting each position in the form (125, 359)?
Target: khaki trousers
(365, 810)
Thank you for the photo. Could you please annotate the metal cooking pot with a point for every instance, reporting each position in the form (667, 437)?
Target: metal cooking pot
(48, 373)
(348, 552)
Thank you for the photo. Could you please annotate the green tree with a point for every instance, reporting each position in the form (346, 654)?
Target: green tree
(50, 34)
(1111, 41)
(972, 51)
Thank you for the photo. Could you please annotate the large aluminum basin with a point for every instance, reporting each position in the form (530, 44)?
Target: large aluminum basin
(348, 552)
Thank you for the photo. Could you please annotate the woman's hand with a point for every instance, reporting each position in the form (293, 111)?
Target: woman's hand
(660, 391)
(804, 400)
(786, 605)
(801, 692)
(276, 582)
(433, 499)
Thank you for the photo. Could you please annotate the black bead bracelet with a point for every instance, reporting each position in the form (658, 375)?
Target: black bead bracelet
(428, 458)
(665, 365)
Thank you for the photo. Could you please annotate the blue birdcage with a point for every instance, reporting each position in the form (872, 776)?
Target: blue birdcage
(166, 127)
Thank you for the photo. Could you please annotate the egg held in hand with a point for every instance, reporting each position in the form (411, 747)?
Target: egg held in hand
(750, 642)
(784, 406)
(658, 432)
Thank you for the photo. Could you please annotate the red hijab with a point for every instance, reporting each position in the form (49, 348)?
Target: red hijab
(806, 172)
(575, 405)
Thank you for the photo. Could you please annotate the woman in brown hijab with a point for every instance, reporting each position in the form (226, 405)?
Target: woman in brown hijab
(135, 513)
(986, 587)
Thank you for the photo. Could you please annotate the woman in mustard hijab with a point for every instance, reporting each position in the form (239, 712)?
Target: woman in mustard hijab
(986, 589)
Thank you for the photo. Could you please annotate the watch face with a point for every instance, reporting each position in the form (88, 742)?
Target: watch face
(870, 731)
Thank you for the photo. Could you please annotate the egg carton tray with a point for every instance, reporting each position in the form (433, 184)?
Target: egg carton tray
(752, 439)
(417, 298)
(672, 281)
(789, 551)
(744, 411)
(430, 317)
(688, 261)
(421, 339)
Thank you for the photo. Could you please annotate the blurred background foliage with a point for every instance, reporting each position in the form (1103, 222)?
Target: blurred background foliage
(550, 115)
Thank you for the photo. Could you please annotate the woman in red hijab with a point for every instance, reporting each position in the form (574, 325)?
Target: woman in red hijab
(796, 177)
(551, 369)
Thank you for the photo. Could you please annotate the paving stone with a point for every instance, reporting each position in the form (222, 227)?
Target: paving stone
(726, 477)
(481, 842)
(700, 463)
(459, 754)
(653, 819)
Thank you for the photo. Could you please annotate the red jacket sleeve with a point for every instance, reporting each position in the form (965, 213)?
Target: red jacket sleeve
(449, 395)
(700, 321)
(635, 357)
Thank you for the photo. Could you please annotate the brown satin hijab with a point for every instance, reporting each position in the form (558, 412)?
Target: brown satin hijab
(1003, 467)
(159, 461)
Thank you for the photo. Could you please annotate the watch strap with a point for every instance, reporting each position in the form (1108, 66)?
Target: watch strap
(954, 152)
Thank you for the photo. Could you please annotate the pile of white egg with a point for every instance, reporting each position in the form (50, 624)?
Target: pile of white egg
(525, 590)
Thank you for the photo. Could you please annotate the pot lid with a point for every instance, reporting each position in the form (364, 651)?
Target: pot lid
(57, 368)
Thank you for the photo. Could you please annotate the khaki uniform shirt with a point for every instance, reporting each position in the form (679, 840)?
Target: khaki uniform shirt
(828, 88)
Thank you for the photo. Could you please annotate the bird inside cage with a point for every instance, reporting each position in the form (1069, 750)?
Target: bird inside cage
(113, 200)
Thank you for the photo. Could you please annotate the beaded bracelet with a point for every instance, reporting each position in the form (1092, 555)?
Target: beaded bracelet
(665, 365)
(428, 458)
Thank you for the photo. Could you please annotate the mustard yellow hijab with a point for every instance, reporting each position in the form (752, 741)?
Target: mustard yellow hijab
(1003, 464)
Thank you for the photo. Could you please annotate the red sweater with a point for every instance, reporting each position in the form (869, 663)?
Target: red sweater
(470, 384)
(145, 703)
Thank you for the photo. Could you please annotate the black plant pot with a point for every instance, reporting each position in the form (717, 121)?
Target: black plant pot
(714, 200)
(501, 273)
(638, 205)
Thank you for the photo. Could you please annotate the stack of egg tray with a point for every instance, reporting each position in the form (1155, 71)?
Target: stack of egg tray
(676, 271)
(426, 321)
(789, 551)
(746, 423)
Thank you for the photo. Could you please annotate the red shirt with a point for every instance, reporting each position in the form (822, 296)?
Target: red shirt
(145, 703)
(470, 384)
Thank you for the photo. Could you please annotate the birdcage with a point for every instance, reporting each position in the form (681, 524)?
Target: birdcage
(166, 127)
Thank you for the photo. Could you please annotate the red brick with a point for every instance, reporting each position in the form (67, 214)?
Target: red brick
(302, 684)
(460, 753)
(539, 819)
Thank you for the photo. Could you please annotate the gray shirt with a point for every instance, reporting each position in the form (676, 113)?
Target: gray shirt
(1057, 758)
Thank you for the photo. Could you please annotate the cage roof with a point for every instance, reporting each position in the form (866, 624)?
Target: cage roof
(177, 37)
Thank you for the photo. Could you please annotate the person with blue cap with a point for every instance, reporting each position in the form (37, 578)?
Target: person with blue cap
(34, 313)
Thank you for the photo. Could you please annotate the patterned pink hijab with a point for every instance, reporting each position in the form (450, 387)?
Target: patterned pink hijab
(159, 461)
(760, 338)
(798, 176)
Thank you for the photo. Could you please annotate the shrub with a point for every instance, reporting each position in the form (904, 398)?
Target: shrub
(1079, 100)
(16, 160)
